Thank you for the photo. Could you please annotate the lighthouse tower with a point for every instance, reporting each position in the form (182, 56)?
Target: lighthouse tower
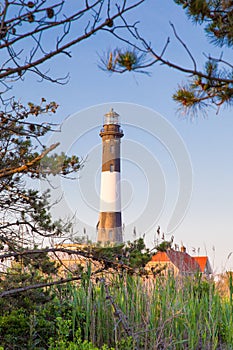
(110, 225)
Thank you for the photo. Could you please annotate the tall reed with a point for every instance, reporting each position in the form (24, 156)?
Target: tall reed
(162, 313)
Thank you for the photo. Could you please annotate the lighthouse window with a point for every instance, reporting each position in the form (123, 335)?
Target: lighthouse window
(111, 168)
(112, 148)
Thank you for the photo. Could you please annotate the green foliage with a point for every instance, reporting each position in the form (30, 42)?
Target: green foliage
(127, 59)
(217, 15)
(198, 9)
(135, 254)
(126, 344)
(166, 308)
(214, 84)
(28, 321)
(25, 212)
(122, 60)
(28, 270)
(230, 287)
(59, 163)
(21, 131)
(130, 255)
(164, 246)
(62, 342)
(175, 313)
(13, 324)
(196, 94)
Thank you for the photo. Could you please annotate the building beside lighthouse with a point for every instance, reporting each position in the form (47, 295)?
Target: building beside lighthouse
(109, 227)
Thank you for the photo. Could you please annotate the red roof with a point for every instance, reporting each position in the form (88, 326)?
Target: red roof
(160, 257)
(183, 261)
(202, 262)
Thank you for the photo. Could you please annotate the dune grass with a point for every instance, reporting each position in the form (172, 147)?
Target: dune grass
(119, 311)
(162, 313)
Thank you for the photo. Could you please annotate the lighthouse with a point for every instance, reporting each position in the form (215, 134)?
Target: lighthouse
(110, 225)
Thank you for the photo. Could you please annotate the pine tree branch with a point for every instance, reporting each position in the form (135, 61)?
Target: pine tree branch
(10, 292)
(24, 168)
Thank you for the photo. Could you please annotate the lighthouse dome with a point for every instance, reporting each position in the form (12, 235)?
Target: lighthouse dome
(111, 118)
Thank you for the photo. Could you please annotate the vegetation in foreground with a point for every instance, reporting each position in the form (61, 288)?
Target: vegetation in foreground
(120, 311)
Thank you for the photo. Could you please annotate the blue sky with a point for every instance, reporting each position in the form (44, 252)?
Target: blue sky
(208, 221)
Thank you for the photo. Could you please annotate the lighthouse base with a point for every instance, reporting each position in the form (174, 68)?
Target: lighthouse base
(110, 228)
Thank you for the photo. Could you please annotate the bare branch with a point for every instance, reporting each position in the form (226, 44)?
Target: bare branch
(10, 292)
(34, 17)
(185, 46)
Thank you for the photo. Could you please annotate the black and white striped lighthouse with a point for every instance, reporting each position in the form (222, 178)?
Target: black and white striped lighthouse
(110, 224)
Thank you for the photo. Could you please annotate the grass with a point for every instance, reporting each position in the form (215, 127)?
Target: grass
(162, 313)
(120, 311)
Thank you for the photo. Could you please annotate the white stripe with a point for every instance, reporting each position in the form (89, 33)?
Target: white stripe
(110, 193)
